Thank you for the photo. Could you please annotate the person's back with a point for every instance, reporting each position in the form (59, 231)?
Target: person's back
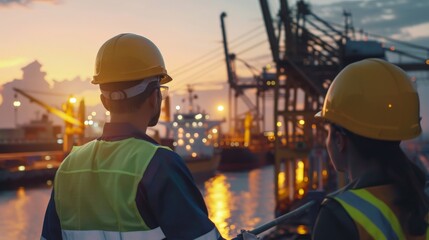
(124, 185)
(370, 107)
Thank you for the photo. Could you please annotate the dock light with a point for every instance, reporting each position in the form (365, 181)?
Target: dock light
(177, 107)
(214, 130)
(220, 108)
(175, 124)
(49, 166)
(299, 172)
(179, 117)
(302, 229)
(196, 135)
(191, 140)
(301, 191)
(107, 113)
(427, 61)
(188, 135)
(301, 122)
(94, 114)
(16, 103)
(200, 124)
(279, 124)
(180, 142)
(72, 100)
(194, 154)
(89, 117)
(47, 158)
(207, 116)
(21, 168)
(204, 140)
(188, 147)
(86, 122)
(198, 116)
(90, 122)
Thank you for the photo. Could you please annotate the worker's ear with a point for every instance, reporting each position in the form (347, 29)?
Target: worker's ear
(340, 141)
(105, 102)
(153, 98)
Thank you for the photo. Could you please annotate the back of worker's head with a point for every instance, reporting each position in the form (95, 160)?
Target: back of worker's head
(374, 105)
(129, 68)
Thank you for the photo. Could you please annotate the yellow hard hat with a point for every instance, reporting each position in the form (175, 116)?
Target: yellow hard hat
(129, 57)
(374, 99)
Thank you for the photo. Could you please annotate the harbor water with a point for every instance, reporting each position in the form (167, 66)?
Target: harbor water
(235, 201)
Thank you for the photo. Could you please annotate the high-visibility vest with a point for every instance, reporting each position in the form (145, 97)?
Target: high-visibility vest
(375, 214)
(95, 190)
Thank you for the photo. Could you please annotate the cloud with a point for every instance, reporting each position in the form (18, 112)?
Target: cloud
(12, 62)
(382, 17)
(24, 2)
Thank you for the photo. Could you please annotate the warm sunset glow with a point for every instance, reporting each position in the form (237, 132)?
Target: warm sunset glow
(218, 198)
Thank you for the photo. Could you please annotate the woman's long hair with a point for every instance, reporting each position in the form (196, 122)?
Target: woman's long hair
(404, 174)
(407, 176)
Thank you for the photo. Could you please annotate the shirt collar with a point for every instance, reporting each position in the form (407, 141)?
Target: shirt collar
(121, 131)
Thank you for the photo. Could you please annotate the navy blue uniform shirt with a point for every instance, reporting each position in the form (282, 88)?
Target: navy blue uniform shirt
(166, 197)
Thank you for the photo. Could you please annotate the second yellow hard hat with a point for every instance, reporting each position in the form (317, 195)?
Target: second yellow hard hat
(375, 99)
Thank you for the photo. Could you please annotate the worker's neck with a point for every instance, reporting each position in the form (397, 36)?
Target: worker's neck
(137, 120)
(358, 166)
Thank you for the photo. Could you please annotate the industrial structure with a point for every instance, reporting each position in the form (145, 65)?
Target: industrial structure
(308, 52)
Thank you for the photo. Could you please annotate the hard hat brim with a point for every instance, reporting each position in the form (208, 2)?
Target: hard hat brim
(165, 79)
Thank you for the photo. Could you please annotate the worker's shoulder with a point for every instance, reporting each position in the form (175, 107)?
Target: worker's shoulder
(166, 155)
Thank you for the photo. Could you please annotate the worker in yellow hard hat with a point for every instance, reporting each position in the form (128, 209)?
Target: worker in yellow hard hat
(370, 107)
(124, 185)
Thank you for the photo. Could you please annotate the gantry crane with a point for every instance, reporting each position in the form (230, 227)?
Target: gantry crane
(308, 53)
(73, 126)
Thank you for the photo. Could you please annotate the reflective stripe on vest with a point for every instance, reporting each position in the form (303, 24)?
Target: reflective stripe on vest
(372, 214)
(103, 235)
(96, 187)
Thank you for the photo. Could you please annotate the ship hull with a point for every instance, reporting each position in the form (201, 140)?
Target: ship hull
(235, 159)
(203, 169)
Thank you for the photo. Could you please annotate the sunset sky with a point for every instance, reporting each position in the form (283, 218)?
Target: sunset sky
(64, 35)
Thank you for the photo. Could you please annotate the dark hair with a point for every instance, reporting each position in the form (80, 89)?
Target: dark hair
(130, 104)
(407, 176)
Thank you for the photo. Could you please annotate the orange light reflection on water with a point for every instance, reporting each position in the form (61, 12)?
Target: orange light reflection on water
(237, 201)
(217, 199)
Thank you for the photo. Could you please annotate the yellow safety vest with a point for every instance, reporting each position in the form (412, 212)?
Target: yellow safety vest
(374, 213)
(95, 191)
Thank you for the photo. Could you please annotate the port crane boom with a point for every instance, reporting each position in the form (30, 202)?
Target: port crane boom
(72, 125)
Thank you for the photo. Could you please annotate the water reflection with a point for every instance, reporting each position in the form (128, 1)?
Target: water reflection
(22, 212)
(235, 201)
(238, 201)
